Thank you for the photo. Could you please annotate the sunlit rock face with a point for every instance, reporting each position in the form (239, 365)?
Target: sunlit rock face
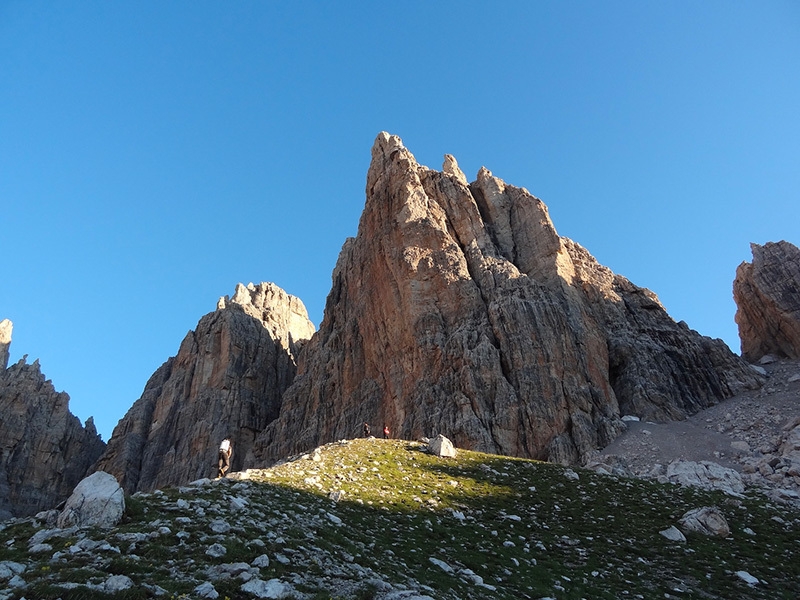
(767, 295)
(5, 341)
(226, 381)
(458, 309)
(44, 449)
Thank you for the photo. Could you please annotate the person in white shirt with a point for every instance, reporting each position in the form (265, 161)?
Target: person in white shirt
(225, 452)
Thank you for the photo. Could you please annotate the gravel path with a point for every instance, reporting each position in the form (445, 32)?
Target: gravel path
(733, 433)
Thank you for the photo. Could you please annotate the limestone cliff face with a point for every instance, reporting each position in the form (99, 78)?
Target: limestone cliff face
(226, 381)
(459, 310)
(5, 342)
(44, 449)
(767, 295)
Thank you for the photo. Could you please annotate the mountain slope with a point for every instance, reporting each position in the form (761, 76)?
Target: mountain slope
(405, 524)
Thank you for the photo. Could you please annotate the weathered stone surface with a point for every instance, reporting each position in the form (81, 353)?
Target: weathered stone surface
(459, 308)
(44, 449)
(6, 327)
(705, 474)
(707, 520)
(226, 381)
(441, 446)
(98, 501)
(767, 295)
(673, 534)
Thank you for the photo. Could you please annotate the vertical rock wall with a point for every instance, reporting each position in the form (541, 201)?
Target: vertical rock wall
(767, 295)
(44, 449)
(459, 310)
(226, 381)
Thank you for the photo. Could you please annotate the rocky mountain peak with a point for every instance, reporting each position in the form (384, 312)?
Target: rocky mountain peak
(44, 449)
(226, 381)
(767, 295)
(6, 327)
(458, 309)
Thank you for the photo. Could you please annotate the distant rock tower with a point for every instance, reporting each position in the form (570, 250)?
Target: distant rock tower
(767, 295)
(225, 382)
(5, 342)
(44, 449)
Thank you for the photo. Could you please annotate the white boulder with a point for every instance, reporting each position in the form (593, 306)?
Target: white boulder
(707, 520)
(274, 588)
(707, 475)
(97, 501)
(441, 446)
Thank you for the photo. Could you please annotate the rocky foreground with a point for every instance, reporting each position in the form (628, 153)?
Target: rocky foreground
(385, 519)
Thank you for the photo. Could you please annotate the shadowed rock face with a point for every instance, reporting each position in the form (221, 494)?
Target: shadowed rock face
(44, 449)
(459, 310)
(226, 381)
(767, 295)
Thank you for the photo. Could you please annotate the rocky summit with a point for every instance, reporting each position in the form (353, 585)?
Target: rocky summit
(225, 381)
(458, 309)
(44, 449)
(767, 295)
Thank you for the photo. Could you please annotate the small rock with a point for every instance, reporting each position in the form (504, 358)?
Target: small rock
(237, 503)
(441, 564)
(206, 590)
(261, 561)
(9, 569)
(747, 578)
(117, 583)
(216, 550)
(674, 534)
(219, 526)
(274, 588)
(741, 446)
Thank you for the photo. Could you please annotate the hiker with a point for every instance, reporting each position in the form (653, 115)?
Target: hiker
(366, 430)
(225, 452)
(385, 431)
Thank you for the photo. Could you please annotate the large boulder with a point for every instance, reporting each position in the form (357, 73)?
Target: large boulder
(225, 382)
(441, 446)
(707, 520)
(767, 295)
(705, 474)
(458, 307)
(44, 449)
(98, 501)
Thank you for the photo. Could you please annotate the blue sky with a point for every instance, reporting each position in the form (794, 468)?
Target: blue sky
(152, 154)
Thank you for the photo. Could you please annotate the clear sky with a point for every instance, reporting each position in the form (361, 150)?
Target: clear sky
(154, 154)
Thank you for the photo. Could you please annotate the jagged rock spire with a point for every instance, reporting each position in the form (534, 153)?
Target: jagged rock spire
(458, 309)
(767, 295)
(6, 326)
(225, 381)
